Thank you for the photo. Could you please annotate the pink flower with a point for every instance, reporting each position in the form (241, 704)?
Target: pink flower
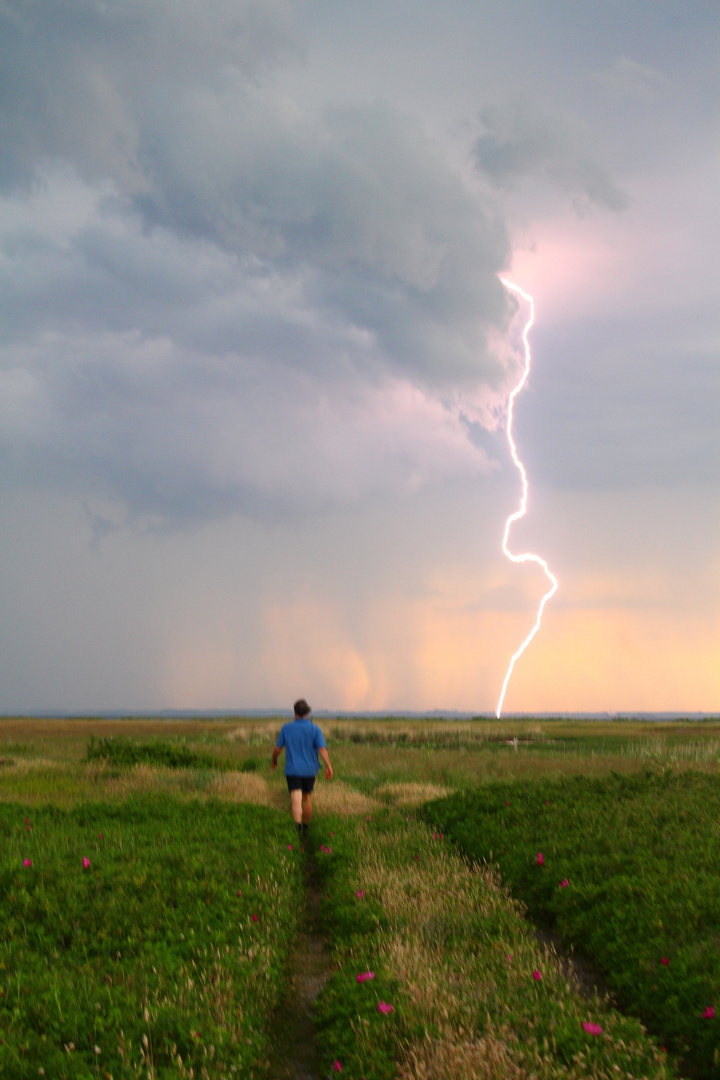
(592, 1029)
(367, 818)
(290, 847)
(332, 833)
(442, 836)
(365, 976)
(709, 1013)
(27, 862)
(434, 836)
(417, 858)
(86, 863)
(384, 1008)
(509, 956)
(664, 960)
(239, 892)
(540, 860)
(27, 824)
(547, 802)
(507, 803)
(564, 883)
(537, 976)
(337, 1067)
(254, 918)
(360, 893)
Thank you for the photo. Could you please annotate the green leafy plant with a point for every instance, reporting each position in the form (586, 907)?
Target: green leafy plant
(627, 871)
(145, 937)
(121, 753)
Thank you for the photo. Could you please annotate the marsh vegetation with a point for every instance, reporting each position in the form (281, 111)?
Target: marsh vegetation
(151, 890)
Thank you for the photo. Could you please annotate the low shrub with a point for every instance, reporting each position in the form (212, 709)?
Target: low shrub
(252, 765)
(627, 871)
(121, 753)
(148, 937)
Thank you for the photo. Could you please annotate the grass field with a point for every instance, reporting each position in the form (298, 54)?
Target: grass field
(148, 962)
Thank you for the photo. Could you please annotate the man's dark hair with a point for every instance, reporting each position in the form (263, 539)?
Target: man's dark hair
(301, 708)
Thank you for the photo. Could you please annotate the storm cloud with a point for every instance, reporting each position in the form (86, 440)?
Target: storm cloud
(520, 141)
(207, 288)
(255, 352)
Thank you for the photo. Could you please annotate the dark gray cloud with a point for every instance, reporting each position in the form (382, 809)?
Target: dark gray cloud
(359, 200)
(194, 266)
(167, 374)
(76, 78)
(520, 140)
(180, 113)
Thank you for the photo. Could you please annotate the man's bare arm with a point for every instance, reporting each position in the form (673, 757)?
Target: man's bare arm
(325, 758)
(276, 754)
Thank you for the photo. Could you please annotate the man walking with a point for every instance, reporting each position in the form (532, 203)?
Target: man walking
(304, 743)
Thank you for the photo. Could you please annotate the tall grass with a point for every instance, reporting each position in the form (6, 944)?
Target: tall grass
(450, 951)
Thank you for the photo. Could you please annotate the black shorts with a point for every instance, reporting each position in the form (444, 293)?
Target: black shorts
(301, 783)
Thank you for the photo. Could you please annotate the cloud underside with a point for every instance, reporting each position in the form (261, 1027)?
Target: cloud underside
(519, 141)
(219, 300)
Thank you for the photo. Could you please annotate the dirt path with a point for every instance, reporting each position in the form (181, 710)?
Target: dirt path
(575, 967)
(294, 1055)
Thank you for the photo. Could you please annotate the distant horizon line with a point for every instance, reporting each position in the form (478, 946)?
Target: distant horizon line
(370, 714)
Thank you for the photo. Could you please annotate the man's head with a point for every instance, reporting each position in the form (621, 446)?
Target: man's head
(301, 707)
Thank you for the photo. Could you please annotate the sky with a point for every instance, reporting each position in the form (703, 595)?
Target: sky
(256, 355)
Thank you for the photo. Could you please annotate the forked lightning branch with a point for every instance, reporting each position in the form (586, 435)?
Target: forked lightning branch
(527, 556)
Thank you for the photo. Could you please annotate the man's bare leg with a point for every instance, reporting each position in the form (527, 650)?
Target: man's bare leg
(306, 808)
(297, 800)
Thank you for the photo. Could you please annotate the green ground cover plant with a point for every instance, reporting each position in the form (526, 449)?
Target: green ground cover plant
(124, 753)
(626, 869)
(437, 974)
(156, 891)
(142, 938)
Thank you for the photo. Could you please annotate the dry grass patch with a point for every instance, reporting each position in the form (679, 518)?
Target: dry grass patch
(141, 778)
(241, 787)
(228, 786)
(410, 793)
(23, 766)
(447, 1058)
(436, 732)
(255, 734)
(338, 798)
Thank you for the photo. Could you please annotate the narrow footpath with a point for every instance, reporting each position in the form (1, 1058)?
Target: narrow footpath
(294, 1054)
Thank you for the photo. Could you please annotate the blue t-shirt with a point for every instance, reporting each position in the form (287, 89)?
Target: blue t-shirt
(302, 739)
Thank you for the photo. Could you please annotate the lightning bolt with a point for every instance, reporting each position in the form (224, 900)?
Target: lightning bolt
(526, 556)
